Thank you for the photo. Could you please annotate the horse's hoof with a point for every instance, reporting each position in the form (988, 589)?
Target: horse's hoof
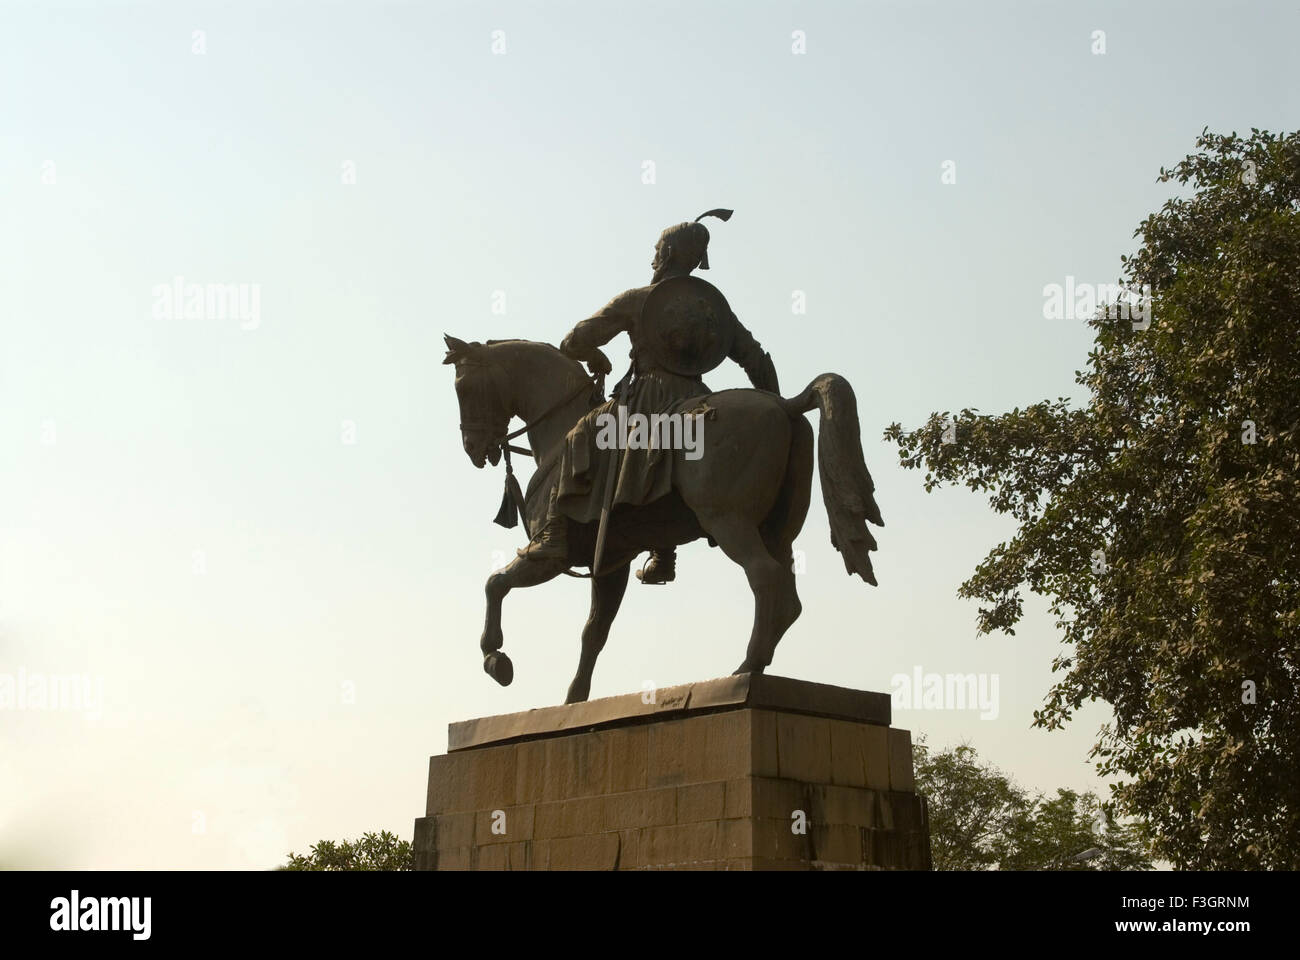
(746, 667)
(498, 666)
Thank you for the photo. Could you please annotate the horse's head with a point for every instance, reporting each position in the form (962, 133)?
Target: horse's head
(481, 389)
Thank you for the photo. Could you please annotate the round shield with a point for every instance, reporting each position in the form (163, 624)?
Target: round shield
(685, 326)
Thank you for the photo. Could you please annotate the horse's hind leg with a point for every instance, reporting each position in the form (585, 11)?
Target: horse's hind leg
(518, 573)
(775, 603)
(606, 596)
(786, 519)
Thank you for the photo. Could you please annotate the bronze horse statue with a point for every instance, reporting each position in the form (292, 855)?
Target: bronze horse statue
(747, 493)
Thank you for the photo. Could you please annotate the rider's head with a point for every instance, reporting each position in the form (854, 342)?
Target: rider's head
(684, 247)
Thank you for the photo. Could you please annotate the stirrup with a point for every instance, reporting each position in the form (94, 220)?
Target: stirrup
(541, 548)
(672, 575)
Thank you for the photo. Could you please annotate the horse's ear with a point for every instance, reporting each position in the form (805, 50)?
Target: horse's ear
(456, 349)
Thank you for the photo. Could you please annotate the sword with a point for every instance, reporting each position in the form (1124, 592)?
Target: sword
(611, 481)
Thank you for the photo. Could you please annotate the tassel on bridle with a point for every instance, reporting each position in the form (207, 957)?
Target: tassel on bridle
(512, 499)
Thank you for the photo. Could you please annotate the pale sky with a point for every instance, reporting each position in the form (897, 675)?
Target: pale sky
(283, 624)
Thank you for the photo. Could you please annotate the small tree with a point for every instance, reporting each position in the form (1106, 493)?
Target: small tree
(382, 851)
(981, 820)
(974, 810)
(1075, 831)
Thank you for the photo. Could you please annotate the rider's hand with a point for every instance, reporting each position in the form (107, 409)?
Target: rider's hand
(598, 363)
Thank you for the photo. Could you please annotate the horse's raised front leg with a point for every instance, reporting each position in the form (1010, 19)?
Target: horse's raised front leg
(518, 573)
(606, 596)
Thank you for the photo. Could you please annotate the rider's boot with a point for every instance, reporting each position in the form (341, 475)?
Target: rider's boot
(551, 542)
(660, 568)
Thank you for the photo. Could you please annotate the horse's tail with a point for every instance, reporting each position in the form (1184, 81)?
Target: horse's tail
(847, 488)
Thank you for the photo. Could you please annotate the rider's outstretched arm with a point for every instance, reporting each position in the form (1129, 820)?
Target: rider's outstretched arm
(588, 336)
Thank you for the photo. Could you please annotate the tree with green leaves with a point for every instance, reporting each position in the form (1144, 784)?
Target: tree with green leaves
(382, 851)
(1161, 516)
(981, 820)
(972, 808)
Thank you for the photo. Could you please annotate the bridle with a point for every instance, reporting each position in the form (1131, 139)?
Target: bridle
(512, 501)
(595, 383)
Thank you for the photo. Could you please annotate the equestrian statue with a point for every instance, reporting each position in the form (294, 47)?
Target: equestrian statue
(664, 461)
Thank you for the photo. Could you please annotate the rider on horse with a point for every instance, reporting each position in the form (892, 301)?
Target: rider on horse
(663, 381)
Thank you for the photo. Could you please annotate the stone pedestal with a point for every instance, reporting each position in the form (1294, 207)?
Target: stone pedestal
(741, 773)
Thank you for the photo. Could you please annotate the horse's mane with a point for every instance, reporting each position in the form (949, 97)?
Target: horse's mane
(558, 354)
(551, 359)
